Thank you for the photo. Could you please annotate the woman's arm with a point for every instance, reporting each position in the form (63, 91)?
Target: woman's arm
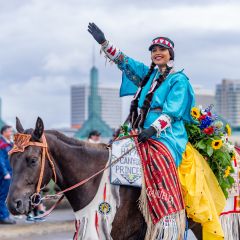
(133, 71)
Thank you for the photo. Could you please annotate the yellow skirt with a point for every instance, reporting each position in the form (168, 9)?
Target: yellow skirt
(204, 199)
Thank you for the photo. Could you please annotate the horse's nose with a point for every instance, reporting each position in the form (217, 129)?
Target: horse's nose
(18, 204)
(16, 207)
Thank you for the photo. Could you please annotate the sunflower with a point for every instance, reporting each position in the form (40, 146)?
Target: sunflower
(228, 130)
(227, 172)
(195, 112)
(217, 144)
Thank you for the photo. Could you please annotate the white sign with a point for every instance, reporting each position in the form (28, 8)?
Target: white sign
(127, 171)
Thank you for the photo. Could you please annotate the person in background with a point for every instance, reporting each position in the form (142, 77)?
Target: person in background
(5, 173)
(94, 136)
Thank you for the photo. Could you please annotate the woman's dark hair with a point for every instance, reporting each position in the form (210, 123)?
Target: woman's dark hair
(133, 114)
(146, 78)
(171, 53)
(4, 128)
(94, 133)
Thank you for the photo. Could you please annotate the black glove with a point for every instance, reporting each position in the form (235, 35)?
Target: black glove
(96, 33)
(146, 134)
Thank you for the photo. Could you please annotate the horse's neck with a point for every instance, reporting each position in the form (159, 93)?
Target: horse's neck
(75, 163)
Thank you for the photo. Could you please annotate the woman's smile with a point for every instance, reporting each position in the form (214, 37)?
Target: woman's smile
(160, 55)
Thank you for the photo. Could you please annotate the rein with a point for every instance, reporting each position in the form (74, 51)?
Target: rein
(21, 141)
(98, 172)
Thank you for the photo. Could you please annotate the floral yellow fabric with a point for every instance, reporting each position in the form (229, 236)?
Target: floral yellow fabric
(204, 199)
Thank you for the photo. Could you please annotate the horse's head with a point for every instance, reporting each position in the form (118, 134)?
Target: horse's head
(26, 165)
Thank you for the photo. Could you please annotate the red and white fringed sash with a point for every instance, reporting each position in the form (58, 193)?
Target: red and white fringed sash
(161, 199)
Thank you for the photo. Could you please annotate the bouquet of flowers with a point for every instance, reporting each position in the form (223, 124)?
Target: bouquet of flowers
(209, 135)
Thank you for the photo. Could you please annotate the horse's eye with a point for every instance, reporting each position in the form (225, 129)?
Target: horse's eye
(32, 162)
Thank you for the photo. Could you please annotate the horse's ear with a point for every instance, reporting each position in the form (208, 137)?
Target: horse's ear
(19, 126)
(39, 128)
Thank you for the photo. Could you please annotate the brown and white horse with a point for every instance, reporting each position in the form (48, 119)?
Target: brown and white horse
(74, 161)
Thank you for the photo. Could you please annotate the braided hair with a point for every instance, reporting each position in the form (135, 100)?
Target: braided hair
(146, 78)
(133, 115)
(147, 102)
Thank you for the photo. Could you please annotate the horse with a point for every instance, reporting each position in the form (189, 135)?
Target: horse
(74, 160)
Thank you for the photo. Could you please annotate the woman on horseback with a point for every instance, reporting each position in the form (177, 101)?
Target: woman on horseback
(163, 109)
(165, 98)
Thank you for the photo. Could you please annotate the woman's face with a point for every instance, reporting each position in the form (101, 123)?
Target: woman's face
(160, 55)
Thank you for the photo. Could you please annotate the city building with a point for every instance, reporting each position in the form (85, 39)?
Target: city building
(111, 105)
(228, 101)
(94, 105)
(79, 105)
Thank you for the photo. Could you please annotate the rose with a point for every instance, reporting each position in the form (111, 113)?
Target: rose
(209, 130)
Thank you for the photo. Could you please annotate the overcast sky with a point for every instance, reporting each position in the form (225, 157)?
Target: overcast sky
(45, 47)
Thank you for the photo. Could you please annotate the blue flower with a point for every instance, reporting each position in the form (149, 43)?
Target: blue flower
(206, 122)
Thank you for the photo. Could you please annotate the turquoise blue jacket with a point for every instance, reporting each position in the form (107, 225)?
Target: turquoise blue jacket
(175, 97)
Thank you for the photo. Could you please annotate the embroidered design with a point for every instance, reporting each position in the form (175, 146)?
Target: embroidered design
(111, 52)
(131, 75)
(163, 123)
(163, 41)
(127, 171)
(131, 178)
(104, 208)
(152, 86)
(120, 59)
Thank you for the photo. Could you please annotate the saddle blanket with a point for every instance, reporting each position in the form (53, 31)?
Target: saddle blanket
(128, 170)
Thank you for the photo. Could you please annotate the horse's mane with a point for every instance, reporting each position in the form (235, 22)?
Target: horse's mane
(74, 141)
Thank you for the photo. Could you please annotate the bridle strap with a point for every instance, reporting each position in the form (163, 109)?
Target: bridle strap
(43, 160)
(22, 141)
(45, 153)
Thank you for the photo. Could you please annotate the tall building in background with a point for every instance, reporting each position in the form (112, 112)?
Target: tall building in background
(79, 105)
(228, 101)
(111, 105)
(92, 103)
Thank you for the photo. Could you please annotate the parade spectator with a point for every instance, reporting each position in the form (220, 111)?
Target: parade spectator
(5, 173)
(94, 136)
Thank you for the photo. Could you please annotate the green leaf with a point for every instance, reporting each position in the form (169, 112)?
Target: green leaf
(231, 180)
(201, 145)
(209, 151)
